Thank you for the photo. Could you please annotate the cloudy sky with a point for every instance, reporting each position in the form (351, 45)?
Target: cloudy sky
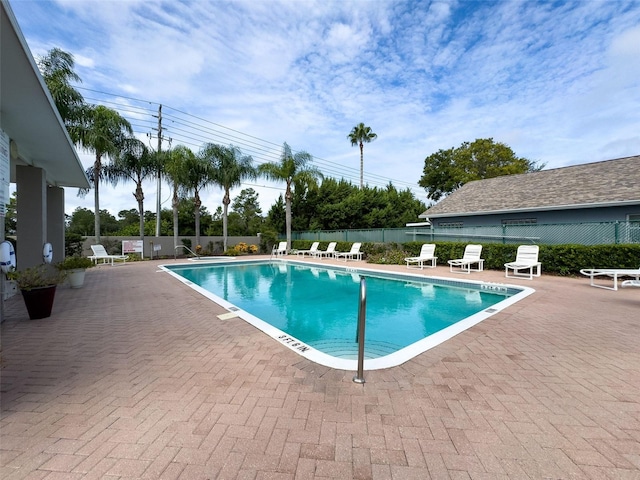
(559, 82)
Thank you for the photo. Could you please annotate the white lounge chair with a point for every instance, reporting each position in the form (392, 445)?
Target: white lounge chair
(353, 254)
(329, 252)
(470, 257)
(100, 253)
(426, 256)
(311, 252)
(279, 250)
(631, 283)
(525, 263)
(613, 273)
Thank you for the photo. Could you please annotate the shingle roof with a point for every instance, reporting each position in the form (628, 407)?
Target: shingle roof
(600, 183)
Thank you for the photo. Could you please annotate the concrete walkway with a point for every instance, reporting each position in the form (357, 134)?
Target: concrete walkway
(134, 376)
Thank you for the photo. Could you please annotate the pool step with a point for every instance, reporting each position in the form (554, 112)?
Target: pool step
(342, 348)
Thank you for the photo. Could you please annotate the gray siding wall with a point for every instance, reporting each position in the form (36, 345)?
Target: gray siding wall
(606, 214)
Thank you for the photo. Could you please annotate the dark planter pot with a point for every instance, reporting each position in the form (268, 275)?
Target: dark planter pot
(39, 301)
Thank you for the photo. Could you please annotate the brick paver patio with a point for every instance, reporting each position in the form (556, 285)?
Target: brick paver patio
(134, 376)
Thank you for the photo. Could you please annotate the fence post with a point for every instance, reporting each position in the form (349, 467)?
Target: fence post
(616, 235)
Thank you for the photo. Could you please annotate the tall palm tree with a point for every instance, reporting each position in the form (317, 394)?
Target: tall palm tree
(230, 168)
(359, 136)
(133, 162)
(57, 71)
(175, 168)
(104, 134)
(292, 168)
(199, 173)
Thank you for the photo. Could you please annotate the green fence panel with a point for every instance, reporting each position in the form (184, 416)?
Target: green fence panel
(588, 233)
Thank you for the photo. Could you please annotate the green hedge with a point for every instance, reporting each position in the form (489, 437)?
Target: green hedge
(557, 259)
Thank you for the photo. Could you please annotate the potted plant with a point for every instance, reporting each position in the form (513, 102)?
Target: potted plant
(38, 286)
(75, 267)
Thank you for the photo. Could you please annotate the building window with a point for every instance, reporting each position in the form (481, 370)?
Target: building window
(450, 224)
(520, 221)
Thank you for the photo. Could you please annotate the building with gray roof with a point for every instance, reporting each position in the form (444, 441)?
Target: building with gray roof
(606, 191)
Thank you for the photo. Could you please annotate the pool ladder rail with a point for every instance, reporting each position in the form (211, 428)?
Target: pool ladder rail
(175, 251)
(362, 313)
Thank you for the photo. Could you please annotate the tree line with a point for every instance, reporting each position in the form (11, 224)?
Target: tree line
(332, 205)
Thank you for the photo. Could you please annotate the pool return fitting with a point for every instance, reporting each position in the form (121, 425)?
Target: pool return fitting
(362, 313)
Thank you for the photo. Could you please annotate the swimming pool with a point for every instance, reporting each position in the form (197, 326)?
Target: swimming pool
(312, 309)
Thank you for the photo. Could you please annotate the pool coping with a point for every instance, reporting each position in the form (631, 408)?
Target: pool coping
(394, 359)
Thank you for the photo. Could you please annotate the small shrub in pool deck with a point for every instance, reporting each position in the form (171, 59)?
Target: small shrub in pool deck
(389, 257)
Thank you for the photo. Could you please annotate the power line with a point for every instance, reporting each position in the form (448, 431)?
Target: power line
(194, 131)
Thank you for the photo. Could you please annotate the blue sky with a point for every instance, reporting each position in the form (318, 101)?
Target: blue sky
(559, 82)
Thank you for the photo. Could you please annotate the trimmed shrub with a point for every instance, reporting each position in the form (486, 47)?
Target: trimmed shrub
(557, 259)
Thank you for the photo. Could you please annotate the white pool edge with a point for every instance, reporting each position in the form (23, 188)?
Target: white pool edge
(392, 360)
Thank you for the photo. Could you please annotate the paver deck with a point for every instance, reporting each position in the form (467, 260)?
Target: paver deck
(134, 376)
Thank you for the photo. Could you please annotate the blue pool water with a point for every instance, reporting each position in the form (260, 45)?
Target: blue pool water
(316, 308)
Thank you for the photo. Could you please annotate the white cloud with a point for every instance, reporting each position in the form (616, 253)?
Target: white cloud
(556, 82)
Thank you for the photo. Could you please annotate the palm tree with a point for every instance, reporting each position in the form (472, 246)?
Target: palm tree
(230, 168)
(104, 133)
(175, 168)
(291, 168)
(198, 174)
(359, 136)
(134, 162)
(57, 71)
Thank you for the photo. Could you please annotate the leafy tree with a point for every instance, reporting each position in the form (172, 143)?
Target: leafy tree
(133, 162)
(110, 224)
(215, 228)
(247, 207)
(230, 169)
(73, 244)
(129, 222)
(277, 218)
(175, 162)
(166, 222)
(104, 134)
(82, 222)
(338, 204)
(57, 71)
(293, 167)
(447, 170)
(129, 217)
(236, 224)
(11, 216)
(199, 174)
(360, 134)
(186, 218)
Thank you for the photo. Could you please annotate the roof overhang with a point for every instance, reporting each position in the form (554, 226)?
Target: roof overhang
(532, 209)
(29, 115)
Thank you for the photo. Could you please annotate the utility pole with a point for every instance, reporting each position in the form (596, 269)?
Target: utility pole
(159, 174)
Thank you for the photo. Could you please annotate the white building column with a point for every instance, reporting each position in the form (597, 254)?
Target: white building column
(31, 231)
(55, 222)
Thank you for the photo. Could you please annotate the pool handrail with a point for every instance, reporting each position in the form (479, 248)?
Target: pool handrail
(175, 255)
(362, 314)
